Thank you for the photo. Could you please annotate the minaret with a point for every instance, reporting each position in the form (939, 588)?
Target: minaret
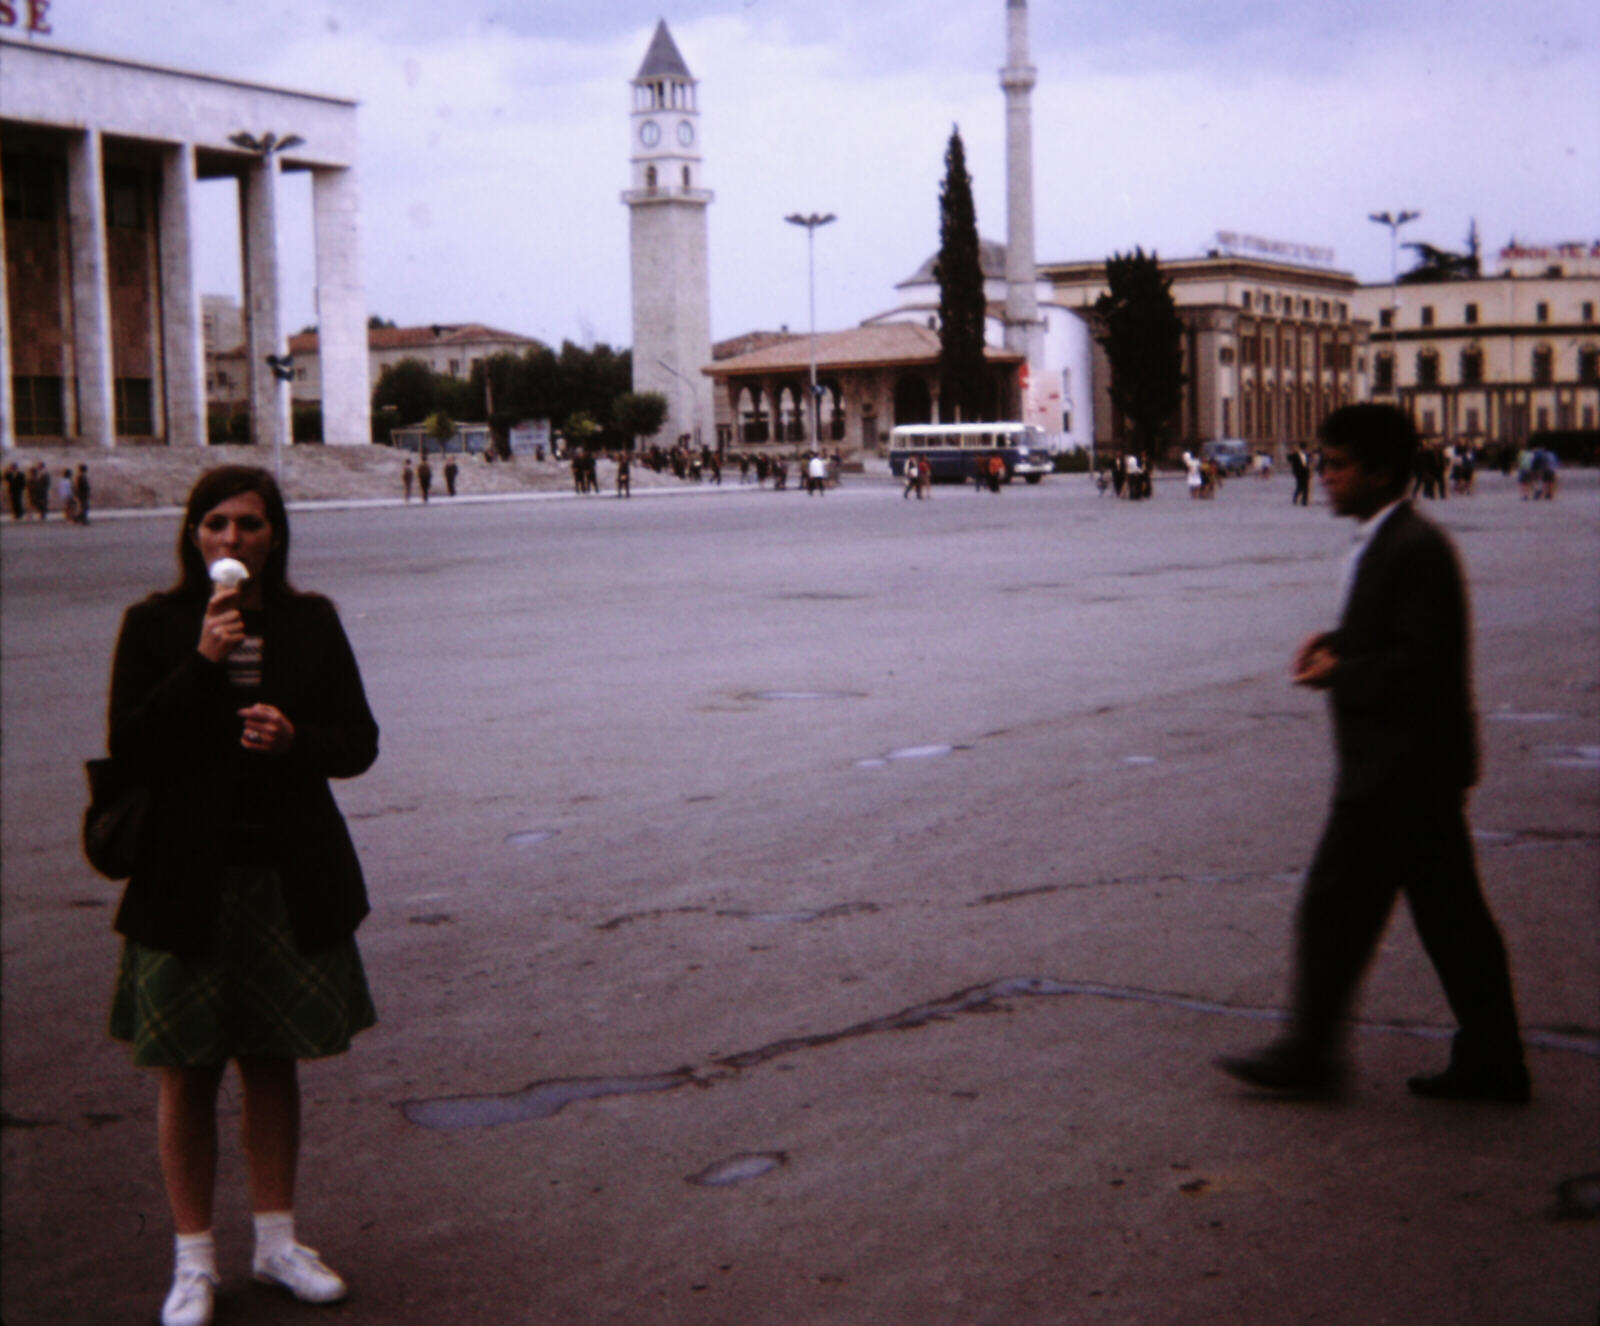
(1023, 330)
(667, 231)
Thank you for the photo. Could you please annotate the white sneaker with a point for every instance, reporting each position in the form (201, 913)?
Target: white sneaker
(299, 1270)
(191, 1299)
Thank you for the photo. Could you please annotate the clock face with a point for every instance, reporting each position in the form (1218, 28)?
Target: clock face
(685, 133)
(649, 133)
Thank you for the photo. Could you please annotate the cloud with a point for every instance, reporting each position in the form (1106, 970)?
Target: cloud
(495, 134)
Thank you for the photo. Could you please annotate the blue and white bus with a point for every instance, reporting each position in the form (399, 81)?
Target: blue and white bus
(954, 449)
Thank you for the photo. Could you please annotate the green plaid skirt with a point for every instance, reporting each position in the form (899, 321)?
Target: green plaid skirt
(253, 993)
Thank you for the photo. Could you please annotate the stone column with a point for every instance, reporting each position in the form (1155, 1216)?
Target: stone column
(182, 340)
(8, 414)
(91, 292)
(258, 212)
(341, 309)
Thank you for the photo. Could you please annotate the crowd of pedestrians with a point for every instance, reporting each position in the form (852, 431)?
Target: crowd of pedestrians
(28, 492)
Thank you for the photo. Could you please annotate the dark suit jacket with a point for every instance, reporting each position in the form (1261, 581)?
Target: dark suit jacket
(1401, 692)
(175, 717)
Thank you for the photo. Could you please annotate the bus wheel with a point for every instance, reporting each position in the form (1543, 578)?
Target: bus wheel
(1033, 478)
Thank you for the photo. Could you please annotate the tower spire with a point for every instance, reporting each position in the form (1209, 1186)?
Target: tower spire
(1023, 328)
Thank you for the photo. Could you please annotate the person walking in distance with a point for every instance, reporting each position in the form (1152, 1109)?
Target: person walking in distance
(1300, 465)
(1398, 676)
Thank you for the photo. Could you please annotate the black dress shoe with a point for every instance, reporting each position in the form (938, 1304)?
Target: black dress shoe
(1286, 1069)
(1508, 1086)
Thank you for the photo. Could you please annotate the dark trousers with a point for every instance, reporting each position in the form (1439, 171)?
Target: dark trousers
(1371, 850)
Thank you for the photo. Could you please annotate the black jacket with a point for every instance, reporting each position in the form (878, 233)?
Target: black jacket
(1401, 692)
(174, 716)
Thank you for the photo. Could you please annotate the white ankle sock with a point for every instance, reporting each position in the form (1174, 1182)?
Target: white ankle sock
(274, 1232)
(196, 1252)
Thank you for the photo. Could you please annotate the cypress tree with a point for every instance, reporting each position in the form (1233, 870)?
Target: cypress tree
(1138, 324)
(964, 387)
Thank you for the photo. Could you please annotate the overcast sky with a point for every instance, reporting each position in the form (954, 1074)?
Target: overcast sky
(495, 135)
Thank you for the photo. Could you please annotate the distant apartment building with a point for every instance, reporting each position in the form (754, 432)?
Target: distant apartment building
(1493, 358)
(450, 349)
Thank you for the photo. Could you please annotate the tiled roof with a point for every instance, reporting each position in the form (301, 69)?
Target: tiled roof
(881, 345)
(663, 59)
(421, 338)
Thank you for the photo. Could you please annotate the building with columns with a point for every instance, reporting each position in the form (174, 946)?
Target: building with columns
(101, 334)
(1494, 358)
(1270, 347)
(671, 274)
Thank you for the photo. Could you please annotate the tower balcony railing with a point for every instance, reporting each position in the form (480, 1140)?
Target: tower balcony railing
(667, 193)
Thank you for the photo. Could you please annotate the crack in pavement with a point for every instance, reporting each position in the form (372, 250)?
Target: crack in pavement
(541, 1100)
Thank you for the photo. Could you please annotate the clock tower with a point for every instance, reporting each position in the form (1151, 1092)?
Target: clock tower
(667, 235)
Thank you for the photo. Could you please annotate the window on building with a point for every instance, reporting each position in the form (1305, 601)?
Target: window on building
(134, 417)
(455, 368)
(1386, 317)
(1472, 423)
(1382, 373)
(1266, 352)
(1428, 429)
(1344, 311)
(1244, 300)
(1541, 312)
(1471, 366)
(1427, 368)
(1471, 315)
(1227, 416)
(36, 402)
(1225, 355)
(1589, 364)
(1588, 416)
(1588, 310)
(1542, 419)
(649, 177)
(1322, 308)
(1543, 365)
(1427, 315)
(1305, 308)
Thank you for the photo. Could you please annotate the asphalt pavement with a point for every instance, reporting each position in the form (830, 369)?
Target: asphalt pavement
(823, 911)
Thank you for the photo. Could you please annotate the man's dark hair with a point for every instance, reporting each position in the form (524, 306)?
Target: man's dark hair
(1378, 437)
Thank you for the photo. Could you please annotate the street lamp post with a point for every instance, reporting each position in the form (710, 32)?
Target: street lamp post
(1394, 221)
(813, 412)
(281, 366)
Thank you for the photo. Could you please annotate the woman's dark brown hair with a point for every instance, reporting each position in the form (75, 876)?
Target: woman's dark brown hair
(212, 489)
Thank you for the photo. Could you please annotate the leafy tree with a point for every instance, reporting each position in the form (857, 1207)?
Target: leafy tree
(581, 429)
(374, 323)
(1434, 265)
(409, 387)
(1137, 322)
(440, 427)
(637, 414)
(964, 387)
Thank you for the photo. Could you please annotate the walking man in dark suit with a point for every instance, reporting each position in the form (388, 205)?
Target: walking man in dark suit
(1398, 675)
